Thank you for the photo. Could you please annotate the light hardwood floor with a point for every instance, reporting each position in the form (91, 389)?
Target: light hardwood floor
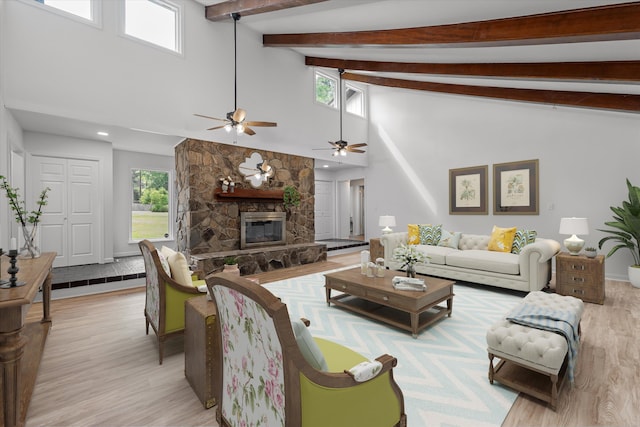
(100, 369)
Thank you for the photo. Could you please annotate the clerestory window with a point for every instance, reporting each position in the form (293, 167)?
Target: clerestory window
(158, 22)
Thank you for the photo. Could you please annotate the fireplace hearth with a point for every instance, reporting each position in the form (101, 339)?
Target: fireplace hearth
(259, 229)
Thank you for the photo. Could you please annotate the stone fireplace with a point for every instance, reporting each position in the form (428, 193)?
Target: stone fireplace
(209, 226)
(258, 229)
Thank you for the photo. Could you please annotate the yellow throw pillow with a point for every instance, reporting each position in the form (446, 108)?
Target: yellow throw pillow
(414, 234)
(502, 239)
(180, 269)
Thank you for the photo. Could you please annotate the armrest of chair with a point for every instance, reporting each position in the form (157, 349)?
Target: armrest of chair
(198, 274)
(337, 399)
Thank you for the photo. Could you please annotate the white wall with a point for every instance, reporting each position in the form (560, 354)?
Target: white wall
(72, 148)
(585, 156)
(123, 163)
(96, 75)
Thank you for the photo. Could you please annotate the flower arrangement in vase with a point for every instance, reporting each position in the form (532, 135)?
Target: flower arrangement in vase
(408, 256)
(28, 220)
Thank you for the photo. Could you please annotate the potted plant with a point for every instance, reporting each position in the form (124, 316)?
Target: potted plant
(290, 197)
(28, 220)
(590, 252)
(231, 265)
(626, 231)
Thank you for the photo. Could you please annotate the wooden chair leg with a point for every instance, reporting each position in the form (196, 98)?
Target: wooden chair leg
(554, 391)
(160, 348)
(147, 322)
(491, 371)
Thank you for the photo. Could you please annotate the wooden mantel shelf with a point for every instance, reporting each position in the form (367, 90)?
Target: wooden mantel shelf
(249, 194)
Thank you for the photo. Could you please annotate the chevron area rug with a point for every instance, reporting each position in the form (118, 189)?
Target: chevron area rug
(442, 373)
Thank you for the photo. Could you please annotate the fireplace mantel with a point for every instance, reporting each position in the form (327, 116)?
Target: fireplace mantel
(249, 194)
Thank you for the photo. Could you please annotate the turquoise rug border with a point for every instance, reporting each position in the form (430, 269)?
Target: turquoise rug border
(442, 373)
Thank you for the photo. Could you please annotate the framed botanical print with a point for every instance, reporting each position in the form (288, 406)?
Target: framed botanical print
(468, 191)
(515, 188)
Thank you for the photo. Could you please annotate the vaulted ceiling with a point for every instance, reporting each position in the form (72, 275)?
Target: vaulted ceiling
(565, 52)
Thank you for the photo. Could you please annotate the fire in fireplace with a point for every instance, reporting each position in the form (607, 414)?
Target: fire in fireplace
(262, 229)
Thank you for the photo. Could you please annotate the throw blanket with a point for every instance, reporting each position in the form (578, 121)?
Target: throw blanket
(559, 321)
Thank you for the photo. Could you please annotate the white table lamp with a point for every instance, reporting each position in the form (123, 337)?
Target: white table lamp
(574, 226)
(387, 221)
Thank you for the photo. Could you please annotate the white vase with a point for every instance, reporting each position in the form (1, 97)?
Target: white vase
(231, 268)
(634, 276)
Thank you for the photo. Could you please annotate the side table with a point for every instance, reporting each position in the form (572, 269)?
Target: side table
(581, 277)
(201, 348)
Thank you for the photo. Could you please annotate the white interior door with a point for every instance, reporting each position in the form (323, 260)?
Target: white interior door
(344, 217)
(70, 222)
(324, 210)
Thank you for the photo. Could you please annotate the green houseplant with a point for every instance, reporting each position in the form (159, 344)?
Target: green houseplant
(625, 231)
(231, 265)
(291, 196)
(28, 220)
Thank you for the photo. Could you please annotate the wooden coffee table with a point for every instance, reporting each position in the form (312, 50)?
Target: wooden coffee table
(375, 297)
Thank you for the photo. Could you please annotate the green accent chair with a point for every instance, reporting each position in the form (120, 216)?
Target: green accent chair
(263, 377)
(164, 302)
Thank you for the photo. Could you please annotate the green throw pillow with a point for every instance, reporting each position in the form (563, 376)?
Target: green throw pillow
(430, 234)
(522, 239)
(308, 346)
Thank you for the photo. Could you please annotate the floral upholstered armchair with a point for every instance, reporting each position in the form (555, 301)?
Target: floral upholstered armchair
(266, 376)
(165, 297)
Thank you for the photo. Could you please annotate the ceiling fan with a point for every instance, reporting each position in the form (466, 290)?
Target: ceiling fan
(341, 146)
(236, 119)
(258, 174)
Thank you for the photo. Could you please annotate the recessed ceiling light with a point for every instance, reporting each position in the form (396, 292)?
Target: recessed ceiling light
(325, 166)
(101, 133)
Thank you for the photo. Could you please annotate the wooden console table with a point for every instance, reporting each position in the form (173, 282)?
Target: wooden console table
(21, 345)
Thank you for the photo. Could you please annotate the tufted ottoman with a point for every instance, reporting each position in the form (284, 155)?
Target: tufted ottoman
(532, 359)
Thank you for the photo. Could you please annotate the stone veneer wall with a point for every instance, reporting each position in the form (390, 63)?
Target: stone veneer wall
(206, 225)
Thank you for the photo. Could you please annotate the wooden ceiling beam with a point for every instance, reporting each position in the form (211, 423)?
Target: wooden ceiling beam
(608, 101)
(611, 22)
(595, 71)
(223, 11)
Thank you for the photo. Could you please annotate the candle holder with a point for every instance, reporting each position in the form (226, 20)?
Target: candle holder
(13, 270)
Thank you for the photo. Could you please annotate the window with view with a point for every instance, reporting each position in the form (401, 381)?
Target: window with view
(150, 205)
(354, 102)
(154, 21)
(326, 90)
(80, 8)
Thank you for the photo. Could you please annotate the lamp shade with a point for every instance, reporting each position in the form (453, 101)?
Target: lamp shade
(387, 221)
(574, 226)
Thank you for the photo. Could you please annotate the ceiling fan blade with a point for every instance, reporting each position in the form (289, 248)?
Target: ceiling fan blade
(355, 150)
(334, 144)
(239, 115)
(216, 127)
(209, 117)
(265, 124)
(322, 149)
(249, 131)
(358, 145)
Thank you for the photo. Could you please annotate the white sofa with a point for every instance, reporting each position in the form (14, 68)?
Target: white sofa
(530, 270)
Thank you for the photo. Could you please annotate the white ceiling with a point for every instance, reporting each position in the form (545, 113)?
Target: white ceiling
(352, 15)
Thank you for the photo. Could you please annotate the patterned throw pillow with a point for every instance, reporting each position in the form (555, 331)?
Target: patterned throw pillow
(522, 239)
(450, 239)
(414, 234)
(164, 263)
(430, 234)
(501, 239)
